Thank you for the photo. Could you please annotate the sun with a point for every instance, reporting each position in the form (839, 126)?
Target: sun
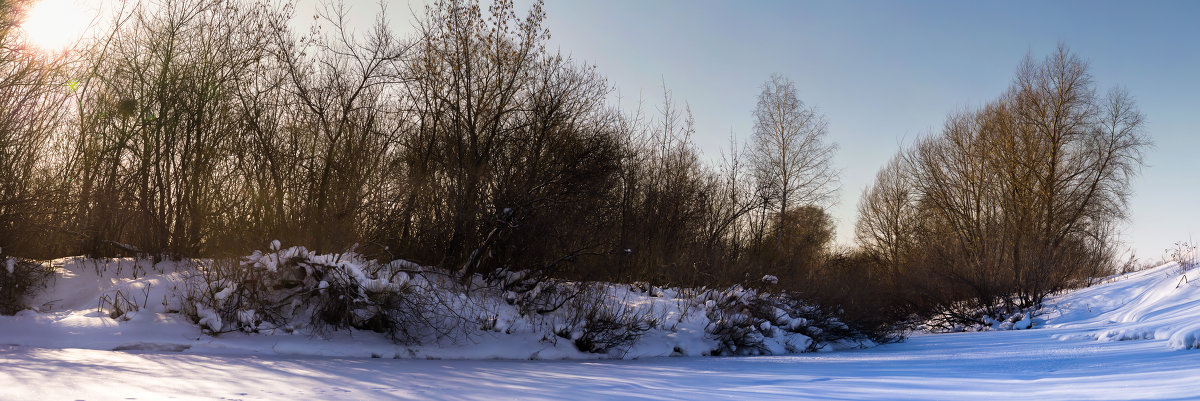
(54, 25)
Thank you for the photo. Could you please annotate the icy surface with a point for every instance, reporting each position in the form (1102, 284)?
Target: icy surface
(1075, 355)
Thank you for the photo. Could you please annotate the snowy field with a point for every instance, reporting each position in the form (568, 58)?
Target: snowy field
(1133, 337)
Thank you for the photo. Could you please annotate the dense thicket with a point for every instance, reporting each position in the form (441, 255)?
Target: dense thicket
(209, 128)
(31, 106)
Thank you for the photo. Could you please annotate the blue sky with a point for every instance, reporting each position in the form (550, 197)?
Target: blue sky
(887, 72)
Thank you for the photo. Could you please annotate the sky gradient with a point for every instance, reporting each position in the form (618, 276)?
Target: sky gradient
(888, 72)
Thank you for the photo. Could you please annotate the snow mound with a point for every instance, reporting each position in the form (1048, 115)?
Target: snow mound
(1161, 303)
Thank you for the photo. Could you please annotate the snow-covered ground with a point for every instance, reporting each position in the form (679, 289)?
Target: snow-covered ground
(1129, 338)
(136, 304)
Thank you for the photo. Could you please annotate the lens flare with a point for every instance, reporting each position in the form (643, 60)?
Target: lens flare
(55, 25)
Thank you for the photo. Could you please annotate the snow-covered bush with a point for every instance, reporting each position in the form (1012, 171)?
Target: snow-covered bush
(19, 279)
(595, 317)
(750, 322)
(597, 322)
(536, 295)
(294, 288)
(228, 295)
(979, 319)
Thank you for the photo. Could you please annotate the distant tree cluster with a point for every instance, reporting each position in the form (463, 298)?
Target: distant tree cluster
(209, 128)
(1009, 202)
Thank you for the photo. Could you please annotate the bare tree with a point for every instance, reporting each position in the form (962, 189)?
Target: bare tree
(887, 216)
(792, 162)
(345, 102)
(1089, 147)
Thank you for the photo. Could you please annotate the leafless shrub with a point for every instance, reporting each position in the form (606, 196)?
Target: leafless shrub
(542, 296)
(1184, 255)
(20, 279)
(118, 304)
(598, 323)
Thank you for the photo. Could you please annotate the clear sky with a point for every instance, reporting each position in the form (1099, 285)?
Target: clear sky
(887, 72)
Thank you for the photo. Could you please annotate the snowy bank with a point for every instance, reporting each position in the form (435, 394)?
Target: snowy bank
(291, 301)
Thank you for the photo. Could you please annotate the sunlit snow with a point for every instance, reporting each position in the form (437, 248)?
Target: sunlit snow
(1128, 338)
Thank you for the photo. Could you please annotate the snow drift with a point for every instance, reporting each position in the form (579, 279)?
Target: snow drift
(1162, 303)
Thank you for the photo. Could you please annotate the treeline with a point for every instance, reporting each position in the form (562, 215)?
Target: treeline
(208, 128)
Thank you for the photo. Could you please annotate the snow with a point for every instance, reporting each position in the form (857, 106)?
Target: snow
(1127, 338)
(1156, 304)
(949, 366)
(115, 303)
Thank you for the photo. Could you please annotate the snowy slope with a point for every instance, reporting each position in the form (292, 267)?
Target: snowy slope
(1074, 355)
(1155, 304)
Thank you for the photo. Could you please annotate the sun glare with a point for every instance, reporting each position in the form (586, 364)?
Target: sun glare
(54, 25)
